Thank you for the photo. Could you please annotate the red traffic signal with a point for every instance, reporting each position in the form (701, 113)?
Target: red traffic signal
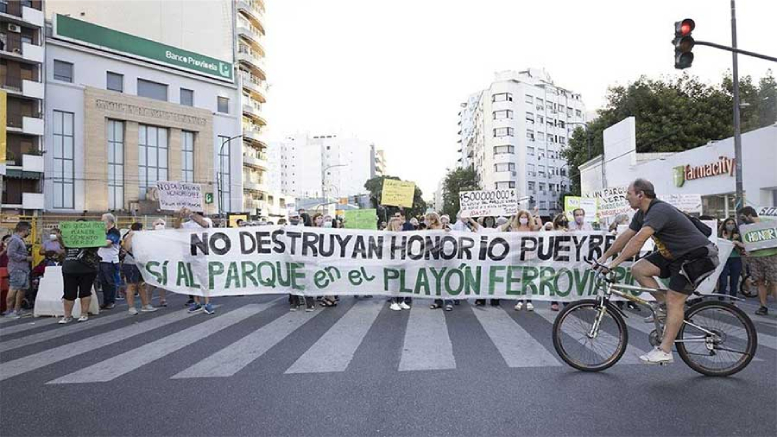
(683, 43)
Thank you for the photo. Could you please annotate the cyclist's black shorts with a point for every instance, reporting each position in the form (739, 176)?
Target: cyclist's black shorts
(670, 268)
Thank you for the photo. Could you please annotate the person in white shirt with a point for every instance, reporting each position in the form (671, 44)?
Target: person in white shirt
(579, 223)
(187, 219)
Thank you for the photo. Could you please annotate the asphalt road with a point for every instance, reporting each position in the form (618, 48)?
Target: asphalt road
(254, 368)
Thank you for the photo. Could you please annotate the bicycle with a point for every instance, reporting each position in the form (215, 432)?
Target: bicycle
(716, 338)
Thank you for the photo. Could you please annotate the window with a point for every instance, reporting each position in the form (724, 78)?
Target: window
(551, 122)
(530, 151)
(553, 205)
(529, 99)
(578, 113)
(64, 170)
(541, 136)
(503, 149)
(225, 175)
(187, 97)
(543, 204)
(115, 165)
(530, 134)
(551, 138)
(562, 140)
(551, 172)
(502, 97)
(114, 82)
(540, 101)
(152, 90)
(542, 186)
(529, 117)
(540, 119)
(222, 105)
(530, 170)
(187, 156)
(504, 166)
(502, 115)
(503, 132)
(63, 71)
(503, 185)
(532, 185)
(152, 157)
(569, 111)
(562, 172)
(541, 171)
(560, 124)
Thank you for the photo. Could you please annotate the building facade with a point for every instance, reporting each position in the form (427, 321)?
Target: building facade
(322, 166)
(124, 112)
(21, 102)
(513, 132)
(380, 163)
(709, 170)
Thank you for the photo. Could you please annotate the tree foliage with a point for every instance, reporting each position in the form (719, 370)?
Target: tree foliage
(674, 115)
(456, 180)
(375, 188)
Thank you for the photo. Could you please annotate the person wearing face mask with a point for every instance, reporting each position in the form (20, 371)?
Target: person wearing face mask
(432, 221)
(53, 249)
(579, 223)
(18, 269)
(446, 221)
(732, 270)
(109, 262)
(762, 263)
(524, 222)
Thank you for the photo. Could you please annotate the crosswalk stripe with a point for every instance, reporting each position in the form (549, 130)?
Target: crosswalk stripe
(631, 356)
(515, 344)
(427, 344)
(72, 328)
(243, 352)
(26, 326)
(64, 352)
(122, 364)
(335, 349)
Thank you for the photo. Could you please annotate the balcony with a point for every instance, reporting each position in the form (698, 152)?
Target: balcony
(33, 163)
(250, 185)
(33, 201)
(253, 110)
(251, 58)
(32, 126)
(250, 32)
(506, 175)
(259, 161)
(254, 85)
(16, 86)
(252, 8)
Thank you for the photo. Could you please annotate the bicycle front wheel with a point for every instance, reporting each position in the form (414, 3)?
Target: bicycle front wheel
(717, 339)
(580, 346)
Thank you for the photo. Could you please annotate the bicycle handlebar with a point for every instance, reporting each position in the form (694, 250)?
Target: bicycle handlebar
(601, 270)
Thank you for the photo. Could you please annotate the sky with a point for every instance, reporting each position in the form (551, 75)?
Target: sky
(395, 72)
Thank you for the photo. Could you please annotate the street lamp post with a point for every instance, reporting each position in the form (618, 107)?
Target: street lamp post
(323, 180)
(221, 170)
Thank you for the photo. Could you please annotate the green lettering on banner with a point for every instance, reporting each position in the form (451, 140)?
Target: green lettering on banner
(514, 279)
(83, 234)
(529, 275)
(388, 275)
(561, 273)
(494, 279)
(249, 269)
(546, 280)
(472, 282)
(297, 273)
(182, 275)
(233, 276)
(422, 282)
(105, 38)
(215, 268)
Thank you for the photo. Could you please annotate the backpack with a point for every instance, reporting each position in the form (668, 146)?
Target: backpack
(704, 229)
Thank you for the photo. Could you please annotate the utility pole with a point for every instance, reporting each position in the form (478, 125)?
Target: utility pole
(737, 128)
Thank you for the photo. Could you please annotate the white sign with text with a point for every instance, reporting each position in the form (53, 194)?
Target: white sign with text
(488, 203)
(176, 195)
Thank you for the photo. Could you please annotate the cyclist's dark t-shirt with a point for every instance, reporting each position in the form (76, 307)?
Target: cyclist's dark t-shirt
(674, 233)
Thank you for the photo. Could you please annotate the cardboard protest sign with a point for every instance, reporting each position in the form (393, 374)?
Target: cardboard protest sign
(176, 195)
(611, 202)
(687, 203)
(361, 219)
(488, 203)
(397, 193)
(571, 203)
(426, 264)
(761, 235)
(83, 234)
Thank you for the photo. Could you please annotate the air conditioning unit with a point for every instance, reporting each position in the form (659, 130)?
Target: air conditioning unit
(152, 193)
(14, 28)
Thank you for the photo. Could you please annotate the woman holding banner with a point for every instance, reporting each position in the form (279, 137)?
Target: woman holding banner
(432, 221)
(397, 303)
(524, 222)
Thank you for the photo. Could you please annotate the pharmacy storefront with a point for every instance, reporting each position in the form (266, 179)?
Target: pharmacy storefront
(708, 171)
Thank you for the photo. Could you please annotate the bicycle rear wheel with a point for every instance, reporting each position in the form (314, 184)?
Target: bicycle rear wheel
(728, 350)
(574, 344)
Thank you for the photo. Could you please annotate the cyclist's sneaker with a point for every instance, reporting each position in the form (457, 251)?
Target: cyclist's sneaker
(657, 356)
(661, 311)
(195, 308)
(762, 311)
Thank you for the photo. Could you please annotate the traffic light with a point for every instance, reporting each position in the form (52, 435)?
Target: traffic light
(683, 43)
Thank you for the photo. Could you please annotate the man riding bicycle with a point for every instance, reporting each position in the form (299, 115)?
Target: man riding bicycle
(683, 254)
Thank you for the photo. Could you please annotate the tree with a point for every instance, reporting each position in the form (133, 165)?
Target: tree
(457, 180)
(673, 115)
(375, 188)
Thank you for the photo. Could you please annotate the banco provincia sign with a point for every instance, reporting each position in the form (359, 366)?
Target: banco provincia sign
(81, 32)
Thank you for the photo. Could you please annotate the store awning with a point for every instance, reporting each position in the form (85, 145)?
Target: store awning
(20, 174)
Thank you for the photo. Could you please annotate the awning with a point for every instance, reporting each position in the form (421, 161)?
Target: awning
(20, 174)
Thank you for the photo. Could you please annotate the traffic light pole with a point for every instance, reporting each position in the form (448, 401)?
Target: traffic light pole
(737, 126)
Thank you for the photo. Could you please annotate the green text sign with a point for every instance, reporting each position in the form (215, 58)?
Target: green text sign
(83, 234)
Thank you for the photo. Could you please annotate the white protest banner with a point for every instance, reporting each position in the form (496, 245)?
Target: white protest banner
(425, 264)
(176, 195)
(488, 203)
(767, 212)
(687, 203)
